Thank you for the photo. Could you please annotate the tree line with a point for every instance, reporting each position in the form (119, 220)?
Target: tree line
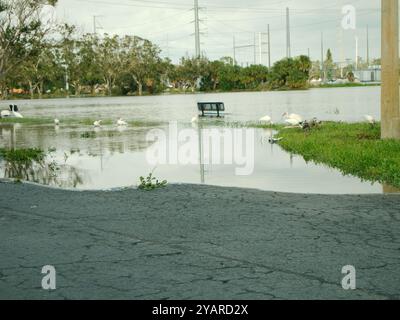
(39, 57)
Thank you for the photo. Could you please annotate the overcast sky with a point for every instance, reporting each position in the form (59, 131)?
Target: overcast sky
(168, 23)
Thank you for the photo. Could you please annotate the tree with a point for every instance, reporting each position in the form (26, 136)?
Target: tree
(315, 72)
(20, 24)
(39, 68)
(89, 64)
(329, 65)
(109, 60)
(192, 70)
(253, 76)
(142, 61)
(290, 73)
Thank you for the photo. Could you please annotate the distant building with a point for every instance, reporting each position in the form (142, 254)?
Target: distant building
(372, 74)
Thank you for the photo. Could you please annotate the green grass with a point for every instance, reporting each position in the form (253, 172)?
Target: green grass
(77, 121)
(27, 120)
(354, 149)
(347, 85)
(22, 156)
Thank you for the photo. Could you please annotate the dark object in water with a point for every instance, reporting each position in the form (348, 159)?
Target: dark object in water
(273, 140)
(15, 108)
(211, 108)
(305, 125)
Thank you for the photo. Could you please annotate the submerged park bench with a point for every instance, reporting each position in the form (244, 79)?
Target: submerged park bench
(211, 108)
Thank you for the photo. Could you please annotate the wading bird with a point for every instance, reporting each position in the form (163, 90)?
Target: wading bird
(370, 119)
(12, 113)
(195, 119)
(7, 113)
(121, 122)
(293, 122)
(266, 119)
(293, 116)
(56, 122)
(97, 123)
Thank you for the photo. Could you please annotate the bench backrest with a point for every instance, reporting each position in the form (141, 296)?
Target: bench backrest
(211, 106)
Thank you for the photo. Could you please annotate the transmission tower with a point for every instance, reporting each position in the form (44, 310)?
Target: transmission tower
(96, 24)
(264, 48)
(197, 28)
(253, 46)
(288, 44)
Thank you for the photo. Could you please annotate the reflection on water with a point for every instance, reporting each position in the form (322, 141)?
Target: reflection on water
(112, 157)
(50, 174)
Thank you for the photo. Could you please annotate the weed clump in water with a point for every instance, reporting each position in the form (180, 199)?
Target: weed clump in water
(22, 156)
(88, 135)
(151, 183)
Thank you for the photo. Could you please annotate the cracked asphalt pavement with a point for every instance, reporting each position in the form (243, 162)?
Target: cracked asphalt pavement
(196, 242)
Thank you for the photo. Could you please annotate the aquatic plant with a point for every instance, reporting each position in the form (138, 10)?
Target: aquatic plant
(151, 183)
(78, 121)
(354, 149)
(22, 156)
(88, 135)
(27, 120)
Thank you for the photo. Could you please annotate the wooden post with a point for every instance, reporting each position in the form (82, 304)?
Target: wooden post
(390, 107)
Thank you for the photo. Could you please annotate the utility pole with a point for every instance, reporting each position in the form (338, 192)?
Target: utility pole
(234, 51)
(368, 45)
(197, 28)
(390, 107)
(96, 24)
(168, 53)
(288, 44)
(260, 47)
(322, 57)
(356, 53)
(269, 48)
(255, 48)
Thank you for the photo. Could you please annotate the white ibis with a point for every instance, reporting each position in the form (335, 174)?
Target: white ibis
(266, 119)
(370, 119)
(5, 114)
(12, 113)
(97, 123)
(293, 122)
(121, 123)
(56, 122)
(293, 116)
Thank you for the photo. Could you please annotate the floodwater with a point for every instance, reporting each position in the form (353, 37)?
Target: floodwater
(82, 157)
(346, 104)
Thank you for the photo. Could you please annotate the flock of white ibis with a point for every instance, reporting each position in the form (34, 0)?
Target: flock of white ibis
(295, 120)
(97, 123)
(291, 119)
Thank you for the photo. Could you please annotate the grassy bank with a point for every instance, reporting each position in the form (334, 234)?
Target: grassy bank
(347, 85)
(354, 149)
